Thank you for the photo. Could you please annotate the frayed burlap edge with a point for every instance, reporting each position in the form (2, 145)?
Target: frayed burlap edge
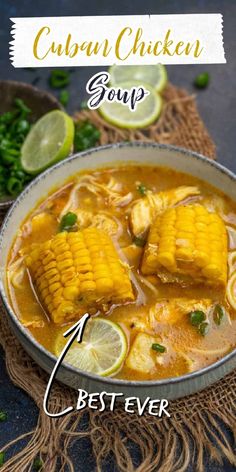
(199, 423)
(179, 124)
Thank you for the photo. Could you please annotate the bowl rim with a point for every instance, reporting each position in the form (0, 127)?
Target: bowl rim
(26, 333)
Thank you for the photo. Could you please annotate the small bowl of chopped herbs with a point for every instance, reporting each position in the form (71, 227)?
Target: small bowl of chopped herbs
(21, 105)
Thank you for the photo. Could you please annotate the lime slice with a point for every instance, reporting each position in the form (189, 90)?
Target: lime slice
(146, 112)
(49, 141)
(102, 350)
(156, 75)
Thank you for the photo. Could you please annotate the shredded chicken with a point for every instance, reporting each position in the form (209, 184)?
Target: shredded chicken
(145, 209)
(112, 192)
(149, 284)
(171, 311)
(101, 220)
(215, 203)
(232, 237)
(16, 272)
(36, 323)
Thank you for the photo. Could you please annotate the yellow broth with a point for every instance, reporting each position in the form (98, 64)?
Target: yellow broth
(186, 349)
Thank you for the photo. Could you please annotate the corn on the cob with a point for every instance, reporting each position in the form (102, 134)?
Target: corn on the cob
(188, 241)
(145, 209)
(78, 268)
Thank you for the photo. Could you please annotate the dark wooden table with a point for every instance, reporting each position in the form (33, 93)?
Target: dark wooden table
(216, 104)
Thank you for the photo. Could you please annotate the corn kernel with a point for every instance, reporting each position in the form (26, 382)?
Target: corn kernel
(71, 262)
(197, 247)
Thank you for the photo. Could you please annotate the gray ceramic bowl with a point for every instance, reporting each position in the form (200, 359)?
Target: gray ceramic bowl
(153, 154)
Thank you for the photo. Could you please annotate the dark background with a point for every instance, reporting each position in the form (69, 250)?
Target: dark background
(216, 105)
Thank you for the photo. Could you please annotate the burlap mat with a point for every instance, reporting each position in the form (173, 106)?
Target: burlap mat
(199, 424)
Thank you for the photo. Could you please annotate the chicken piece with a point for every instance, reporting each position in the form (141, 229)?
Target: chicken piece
(146, 209)
(36, 323)
(141, 356)
(105, 223)
(99, 220)
(214, 203)
(84, 218)
(173, 310)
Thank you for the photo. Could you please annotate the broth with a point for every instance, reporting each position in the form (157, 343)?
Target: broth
(159, 310)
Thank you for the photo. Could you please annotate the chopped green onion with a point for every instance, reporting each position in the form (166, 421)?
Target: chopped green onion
(140, 242)
(202, 80)
(142, 189)
(204, 328)
(197, 317)
(14, 186)
(158, 348)
(84, 105)
(59, 79)
(64, 97)
(23, 126)
(9, 155)
(3, 415)
(14, 126)
(86, 136)
(218, 314)
(22, 106)
(68, 221)
(2, 458)
(37, 464)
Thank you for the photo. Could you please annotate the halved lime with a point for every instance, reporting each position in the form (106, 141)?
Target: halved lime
(155, 75)
(49, 141)
(146, 112)
(102, 350)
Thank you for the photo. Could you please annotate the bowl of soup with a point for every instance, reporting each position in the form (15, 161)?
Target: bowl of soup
(142, 238)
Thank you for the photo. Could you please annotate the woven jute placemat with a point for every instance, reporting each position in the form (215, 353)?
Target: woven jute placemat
(201, 424)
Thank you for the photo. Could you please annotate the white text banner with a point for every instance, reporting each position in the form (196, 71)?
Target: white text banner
(106, 40)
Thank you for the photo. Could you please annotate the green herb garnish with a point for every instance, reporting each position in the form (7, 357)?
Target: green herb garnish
(202, 80)
(37, 464)
(197, 317)
(204, 328)
(64, 97)
(14, 127)
(218, 314)
(140, 242)
(158, 348)
(142, 189)
(84, 105)
(3, 415)
(22, 106)
(59, 78)
(14, 186)
(68, 221)
(86, 136)
(2, 458)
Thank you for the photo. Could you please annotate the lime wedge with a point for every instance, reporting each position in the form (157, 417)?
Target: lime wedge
(146, 112)
(49, 141)
(102, 350)
(156, 75)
